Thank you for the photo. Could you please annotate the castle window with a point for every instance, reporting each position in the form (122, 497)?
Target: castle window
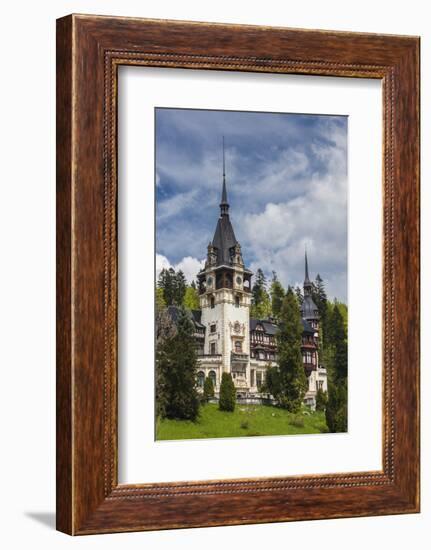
(212, 302)
(213, 377)
(258, 379)
(201, 379)
(238, 347)
(213, 328)
(213, 348)
(236, 301)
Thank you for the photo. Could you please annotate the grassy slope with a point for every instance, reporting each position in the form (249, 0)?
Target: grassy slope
(247, 420)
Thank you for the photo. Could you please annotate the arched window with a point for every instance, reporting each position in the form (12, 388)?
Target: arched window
(201, 379)
(213, 377)
(238, 347)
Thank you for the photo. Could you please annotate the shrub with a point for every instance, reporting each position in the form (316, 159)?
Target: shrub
(227, 393)
(244, 425)
(208, 389)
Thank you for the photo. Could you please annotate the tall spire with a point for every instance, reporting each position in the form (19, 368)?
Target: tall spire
(224, 205)
(307, 279)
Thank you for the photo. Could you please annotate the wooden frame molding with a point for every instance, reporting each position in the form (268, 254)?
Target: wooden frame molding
(89, 51)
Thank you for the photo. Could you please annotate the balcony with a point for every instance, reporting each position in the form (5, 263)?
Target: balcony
(238, 357)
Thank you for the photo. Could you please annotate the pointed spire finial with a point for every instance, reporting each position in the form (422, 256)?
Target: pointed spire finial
(224, 205)
(307, 279)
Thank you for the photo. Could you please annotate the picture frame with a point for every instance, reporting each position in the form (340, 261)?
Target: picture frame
(89, 51)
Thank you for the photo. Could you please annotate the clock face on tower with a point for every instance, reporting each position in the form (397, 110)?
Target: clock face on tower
(209, 281)
(238, 280)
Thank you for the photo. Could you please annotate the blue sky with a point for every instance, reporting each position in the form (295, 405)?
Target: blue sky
(286, 178)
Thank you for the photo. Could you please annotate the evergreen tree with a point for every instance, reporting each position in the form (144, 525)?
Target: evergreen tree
(180, 287)
(277, 296)
(321, 400)
(167, 282)
(165, 329)
(173, 286)
(299, 296)
(191, 298)
(336, 409)
(176, 362)
(227, 398)
(292, 379)
(339, 341)
(321, 300)
(272, 382)
(261, 302)
(208, 389)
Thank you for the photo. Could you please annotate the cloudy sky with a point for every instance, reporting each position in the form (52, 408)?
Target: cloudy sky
(286, 178)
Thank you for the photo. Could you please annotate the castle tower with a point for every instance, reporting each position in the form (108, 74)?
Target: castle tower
(310, 341)
(309, 310)
(225, 300)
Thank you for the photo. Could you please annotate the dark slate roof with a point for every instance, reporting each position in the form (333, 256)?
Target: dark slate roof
(268, 326)
(308, 308)
(195, 315)
(224, 239)
(271, 328)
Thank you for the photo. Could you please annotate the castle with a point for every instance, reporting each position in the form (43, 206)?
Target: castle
(228, 339)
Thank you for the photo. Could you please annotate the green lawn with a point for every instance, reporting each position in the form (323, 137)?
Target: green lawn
(247, 420)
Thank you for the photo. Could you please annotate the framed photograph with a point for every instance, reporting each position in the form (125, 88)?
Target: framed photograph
(237, 274)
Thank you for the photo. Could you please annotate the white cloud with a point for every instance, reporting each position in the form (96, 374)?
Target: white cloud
(277, 236)
(188, 265)
(287, 194)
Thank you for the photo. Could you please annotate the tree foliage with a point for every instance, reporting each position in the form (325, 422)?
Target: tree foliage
(191, 298)
(277, 296)
(321, 400)
(176, 365)
(227, 398)
(165, 330)
(336, 409)
(208, 389)
(173, 285)
(290, 384)
(261, 302)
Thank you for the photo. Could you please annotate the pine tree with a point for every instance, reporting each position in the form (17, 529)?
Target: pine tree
(261, 302)
(180, 287)
(208, 389)
(176, 362)
(299, 296)
(321, 300)
(227, 398)
(277, 296)
(165, 330)
(293, 381)
(336, 409)
(321, 400)
(167, 282)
